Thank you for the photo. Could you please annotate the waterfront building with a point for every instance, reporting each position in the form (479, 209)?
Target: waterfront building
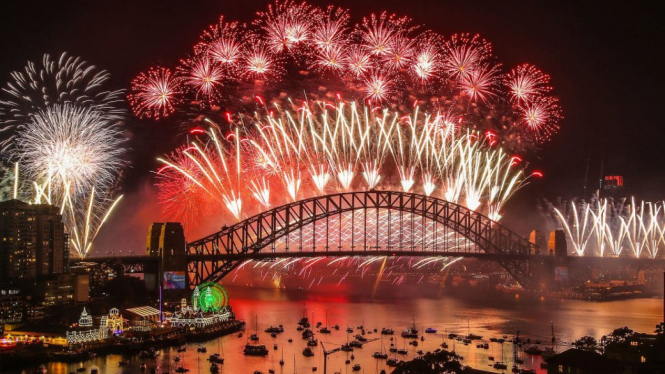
(578, 361)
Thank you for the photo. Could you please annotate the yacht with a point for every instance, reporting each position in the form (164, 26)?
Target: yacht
(411, 332)
(431, 330)
(307, 352)
(386, 331)
(255, 350)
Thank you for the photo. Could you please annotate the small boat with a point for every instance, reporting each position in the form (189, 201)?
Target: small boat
(240, 335)
(452, 336)
(255, 350)
(271, 371)
(422, 338)
(386, 331)
(420, 352)
(177, 359)
(311, 342)
(474, 337)
(430, 330)
(402, 351)
(361, 338)
(202, 349)
(216, 359)
(290, 340)
(392, 362)
(414, 343)
(356, 344)
(273, 334)
(324, 330)
(254, 337)
(411, 332)
(274, 346)
(444, 345)
(307, 334)
(500, 366)
(336, 327)
(494, 340)
(355, 367)
(182, 348)
(275, 330)
(380, 355)
(349, 330)
(307, 352)
(300, 328)
(314, 368)
(346, 348)
(491, 358)
(347, 362)
(214, 368)
(393, 350)
(181, 370)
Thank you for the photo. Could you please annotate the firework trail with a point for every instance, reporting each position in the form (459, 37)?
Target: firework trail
(603, 227)
(299, 153)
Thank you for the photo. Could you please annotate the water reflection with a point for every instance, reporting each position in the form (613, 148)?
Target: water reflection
(489, 317)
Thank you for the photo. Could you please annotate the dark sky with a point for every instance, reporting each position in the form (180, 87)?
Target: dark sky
(603, 58)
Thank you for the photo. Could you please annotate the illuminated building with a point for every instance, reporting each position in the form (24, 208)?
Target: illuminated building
(33, 241)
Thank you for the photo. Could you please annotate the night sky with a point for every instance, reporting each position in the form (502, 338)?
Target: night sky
(602, 57)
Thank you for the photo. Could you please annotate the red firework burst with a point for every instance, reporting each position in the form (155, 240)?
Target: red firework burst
(155, 93)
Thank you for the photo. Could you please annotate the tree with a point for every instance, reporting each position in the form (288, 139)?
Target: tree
(588, 343)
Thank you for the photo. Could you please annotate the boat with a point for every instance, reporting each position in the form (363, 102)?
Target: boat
(274, 346)
(444, 345)
(177, 359)
(346, 348)
(349, 330)
(533, 350)
(386, 331)
(182, 348)
(255, 350)
(275, 330)
(214, 368)
(324, 330)
(336, 327)
(181, 370)
(402, 351)
(216, 359)
(420, 352)
(414, 343)
(273, 334)
(240, 335)
(307, 334)
(392, 362)
(491, 358)
(361, 338)
(281, 362)
(202, 349)
(380, 355)
(355, 344)
(271, 371)
(355, 367)
(300, 328)
(254, 337)
(431, 330)
(411, 332)
(393, 350)
(452, 336)
(311, 342)
(314, 368)
(500, 366)
(304, 321)
(307, 352)
(290, 340)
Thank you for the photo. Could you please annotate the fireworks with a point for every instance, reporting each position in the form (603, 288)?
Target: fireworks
(62, 128)
(72, 147)
(155, 93)
(384, 58)
(320, 149)
(65, 80)
(607, 228)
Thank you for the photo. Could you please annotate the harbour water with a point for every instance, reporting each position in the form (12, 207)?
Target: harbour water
(485, 316)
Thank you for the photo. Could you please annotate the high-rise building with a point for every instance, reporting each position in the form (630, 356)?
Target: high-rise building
(32, 241)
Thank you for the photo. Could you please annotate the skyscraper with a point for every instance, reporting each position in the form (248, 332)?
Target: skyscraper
(33, 241)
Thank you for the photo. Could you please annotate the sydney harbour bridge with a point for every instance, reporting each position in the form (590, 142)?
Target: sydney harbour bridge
(360, 224)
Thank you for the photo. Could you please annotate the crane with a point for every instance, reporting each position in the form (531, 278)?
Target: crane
(325, 356)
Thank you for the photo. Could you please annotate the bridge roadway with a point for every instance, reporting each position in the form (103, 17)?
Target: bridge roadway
(378, 223)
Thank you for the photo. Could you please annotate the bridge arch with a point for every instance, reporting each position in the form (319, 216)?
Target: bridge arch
(214, 256)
